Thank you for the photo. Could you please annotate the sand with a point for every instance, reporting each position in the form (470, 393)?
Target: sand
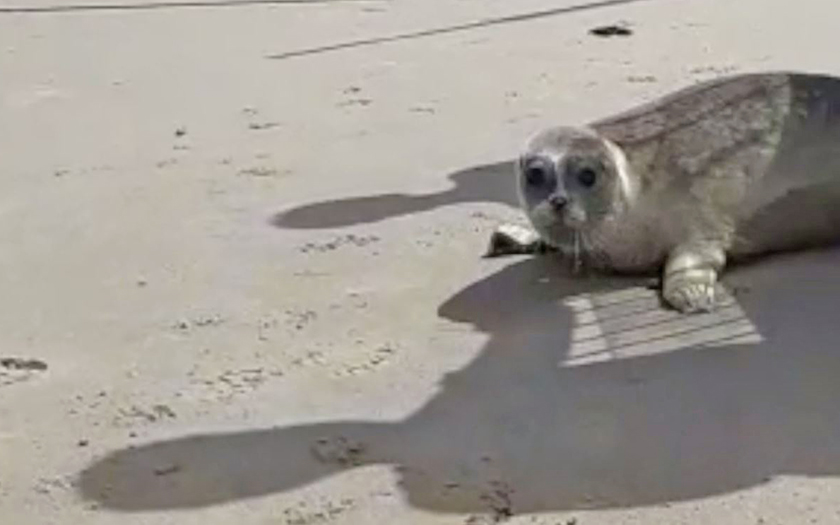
(241, 276)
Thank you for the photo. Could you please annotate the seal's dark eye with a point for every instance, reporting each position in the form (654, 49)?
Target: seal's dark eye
(587, 177)
(536, 172)
(535, 175)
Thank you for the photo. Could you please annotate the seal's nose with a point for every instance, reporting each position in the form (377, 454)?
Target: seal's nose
(558, 202)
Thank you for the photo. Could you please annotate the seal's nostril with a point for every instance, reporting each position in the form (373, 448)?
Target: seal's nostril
(558, 202)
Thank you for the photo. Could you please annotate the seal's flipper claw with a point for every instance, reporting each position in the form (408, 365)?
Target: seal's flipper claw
(691, 276)
(512, 239)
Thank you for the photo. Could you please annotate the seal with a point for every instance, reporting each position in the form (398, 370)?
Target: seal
(719, 172)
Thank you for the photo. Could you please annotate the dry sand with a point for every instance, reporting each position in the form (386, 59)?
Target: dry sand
(240, 274)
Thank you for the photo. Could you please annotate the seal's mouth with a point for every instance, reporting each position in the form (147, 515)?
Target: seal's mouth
(574, 221)
(564, 229)
(558, 224)
(568, 217)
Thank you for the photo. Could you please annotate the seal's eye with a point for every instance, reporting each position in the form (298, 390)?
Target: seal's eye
(536, 172)
(587, 177)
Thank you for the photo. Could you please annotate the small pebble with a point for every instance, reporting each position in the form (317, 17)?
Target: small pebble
(611, 30)
(17, 363)
(165, 471)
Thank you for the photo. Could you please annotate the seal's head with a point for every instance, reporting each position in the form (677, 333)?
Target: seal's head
(571, 182)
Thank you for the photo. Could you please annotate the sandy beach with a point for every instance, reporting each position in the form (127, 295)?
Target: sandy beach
(241, 274)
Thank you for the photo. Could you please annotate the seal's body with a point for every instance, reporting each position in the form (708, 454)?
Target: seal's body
(728, 169)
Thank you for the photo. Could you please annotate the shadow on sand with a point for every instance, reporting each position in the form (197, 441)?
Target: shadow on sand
(529, 427)
(487, 183)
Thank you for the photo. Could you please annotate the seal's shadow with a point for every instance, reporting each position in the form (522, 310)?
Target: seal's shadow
(487, 183)
(523, 428)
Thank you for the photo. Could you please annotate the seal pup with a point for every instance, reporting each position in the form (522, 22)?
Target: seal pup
(721, 171)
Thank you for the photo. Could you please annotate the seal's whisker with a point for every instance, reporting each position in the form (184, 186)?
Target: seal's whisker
(576, 258)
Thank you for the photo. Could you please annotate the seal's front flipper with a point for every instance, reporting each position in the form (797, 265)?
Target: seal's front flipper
(691, 276)
(512, 239)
